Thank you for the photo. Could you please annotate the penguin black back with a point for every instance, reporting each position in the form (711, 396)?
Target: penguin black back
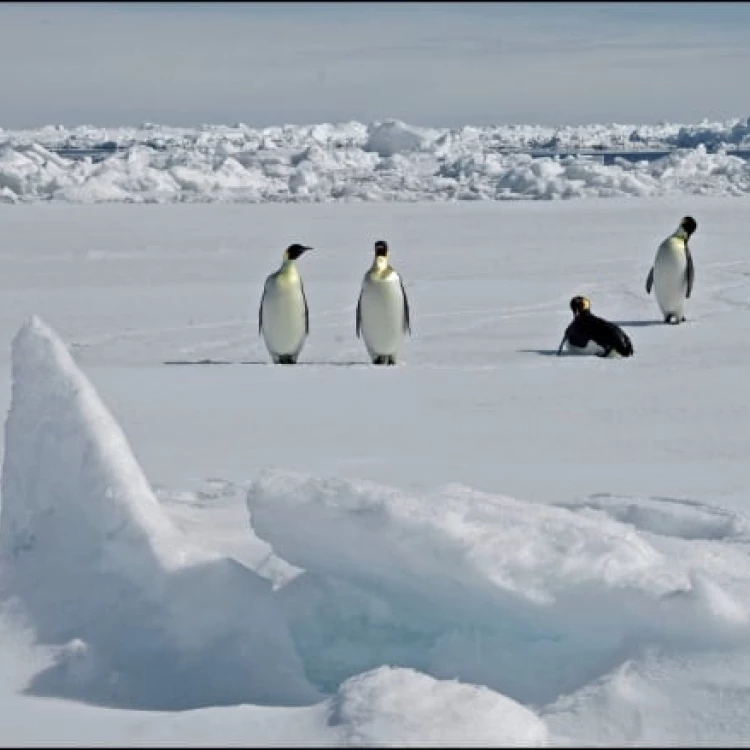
(587, 327)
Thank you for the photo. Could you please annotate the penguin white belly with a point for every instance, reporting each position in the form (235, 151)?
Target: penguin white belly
(284, 318)
(591, 348)
(382, 316)
(670, 277)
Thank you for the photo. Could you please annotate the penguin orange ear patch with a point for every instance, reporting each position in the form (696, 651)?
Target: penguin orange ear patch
(579, 304)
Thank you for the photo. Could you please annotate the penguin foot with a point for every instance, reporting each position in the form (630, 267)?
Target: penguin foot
(384, 359)
(286, 359)
(672, 319)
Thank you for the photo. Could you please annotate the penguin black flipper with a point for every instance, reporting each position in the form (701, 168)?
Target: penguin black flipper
(690, 272)
(650, 280)
(359, 315)
(260, 311)
(407, 322)
(564, 339)
(307, 311)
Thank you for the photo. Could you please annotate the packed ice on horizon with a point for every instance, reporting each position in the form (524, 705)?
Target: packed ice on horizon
(382, 161)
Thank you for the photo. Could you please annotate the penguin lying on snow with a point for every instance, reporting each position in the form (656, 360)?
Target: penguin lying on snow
(382, 309)
(672, 274)
(283, 317)
(589, 334)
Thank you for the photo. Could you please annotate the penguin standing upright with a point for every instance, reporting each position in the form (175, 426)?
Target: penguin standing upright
(382, 309)
(672, 274)
(283, 317)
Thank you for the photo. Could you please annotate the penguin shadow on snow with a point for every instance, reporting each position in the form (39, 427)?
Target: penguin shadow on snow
(639, 323)
(553, 353)
(542, 352)
(267, 363)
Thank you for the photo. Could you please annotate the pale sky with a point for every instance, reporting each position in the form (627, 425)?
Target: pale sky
(438, 64)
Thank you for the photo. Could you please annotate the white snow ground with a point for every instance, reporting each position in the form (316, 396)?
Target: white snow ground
(487, 545)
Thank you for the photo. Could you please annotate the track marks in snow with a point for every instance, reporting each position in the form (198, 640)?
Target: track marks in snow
(142, 333)
(180, 341)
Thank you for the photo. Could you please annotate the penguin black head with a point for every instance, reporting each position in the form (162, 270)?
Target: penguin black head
(580, 304)
(294, 251)
(381, 248)
(689, 225)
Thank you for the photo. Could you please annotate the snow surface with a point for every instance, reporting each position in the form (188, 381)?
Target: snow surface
(382, 161)
(486, 545)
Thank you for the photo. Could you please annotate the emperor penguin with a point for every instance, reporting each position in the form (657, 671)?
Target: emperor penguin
(283, 316)
(590, 334)
(382, 309)
(672, 274)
